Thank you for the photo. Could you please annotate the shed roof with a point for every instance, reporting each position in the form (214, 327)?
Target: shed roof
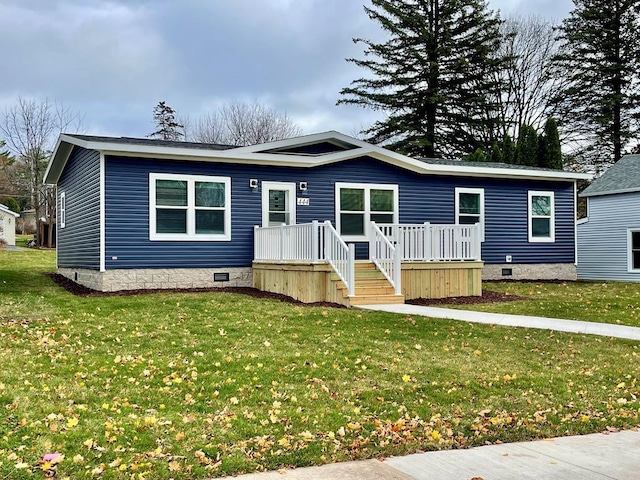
(5, 209)
(622, 177)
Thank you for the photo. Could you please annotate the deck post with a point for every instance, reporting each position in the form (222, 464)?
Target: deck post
(314, 241)
(352, 270)
(478, 250)
(397, 267)
(255, 242)
(427, 242)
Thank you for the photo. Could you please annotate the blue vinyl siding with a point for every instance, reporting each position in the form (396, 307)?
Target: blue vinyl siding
(79, 240)
(421, 198)
(603, 239)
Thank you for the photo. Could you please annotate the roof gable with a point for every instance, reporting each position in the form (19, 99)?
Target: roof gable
(622, 177)
(306, 151)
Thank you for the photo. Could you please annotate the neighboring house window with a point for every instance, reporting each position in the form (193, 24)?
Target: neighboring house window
(541, 216)
(470, 207)
(189, 207)
(634, 250)
(63, 210)
(357, 204)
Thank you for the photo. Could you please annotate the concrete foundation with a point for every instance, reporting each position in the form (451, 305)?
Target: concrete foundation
(539, 271)
(149, 279)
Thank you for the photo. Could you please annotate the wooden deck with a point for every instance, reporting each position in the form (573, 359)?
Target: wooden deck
(316, 282)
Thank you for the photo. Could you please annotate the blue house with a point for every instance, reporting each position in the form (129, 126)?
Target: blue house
(303, 217)
(609, 237)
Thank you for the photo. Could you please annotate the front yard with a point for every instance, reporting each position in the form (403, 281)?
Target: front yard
(195, 385)
(607, 302)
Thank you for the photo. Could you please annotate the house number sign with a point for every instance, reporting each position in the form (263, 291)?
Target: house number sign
(303, 201)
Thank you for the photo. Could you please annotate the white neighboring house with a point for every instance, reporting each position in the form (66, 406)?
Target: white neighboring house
(8, 225)
(609, 238)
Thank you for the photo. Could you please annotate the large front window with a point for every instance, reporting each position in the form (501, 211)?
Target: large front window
(634, 250)
(357, 204)
(541, 217)
(189, 207)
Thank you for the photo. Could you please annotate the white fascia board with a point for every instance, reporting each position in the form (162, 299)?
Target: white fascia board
(10, 212)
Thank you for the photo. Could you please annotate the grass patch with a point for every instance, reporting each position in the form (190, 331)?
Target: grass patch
(606, 302)
(184, 385)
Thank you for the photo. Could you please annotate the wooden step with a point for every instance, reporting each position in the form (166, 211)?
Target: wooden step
(375, 299)
(370, 291)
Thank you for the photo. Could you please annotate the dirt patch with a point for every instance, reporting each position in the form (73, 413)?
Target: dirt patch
(487, 297)
(82, 291)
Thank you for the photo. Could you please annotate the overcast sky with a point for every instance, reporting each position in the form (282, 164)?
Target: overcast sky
(113, 60)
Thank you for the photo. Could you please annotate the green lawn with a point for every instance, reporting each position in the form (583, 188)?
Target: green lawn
(608, 302)
(211, 384)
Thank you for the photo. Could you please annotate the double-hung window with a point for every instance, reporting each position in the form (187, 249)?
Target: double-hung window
(541, 217)
(634, 250)
(189, 207)
(357, 204)
(63, 210)
(469, 205)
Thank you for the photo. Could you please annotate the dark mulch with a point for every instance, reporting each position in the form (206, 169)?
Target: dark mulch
(487, 297)
(82, 291)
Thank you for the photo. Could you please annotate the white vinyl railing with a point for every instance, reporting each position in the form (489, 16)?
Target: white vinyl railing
(430, 242)
(386, 256)
(308, 242)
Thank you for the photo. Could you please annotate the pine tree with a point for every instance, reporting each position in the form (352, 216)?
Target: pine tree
(496, 154)
(167, 127)
(434, 77)
(477, 156)
(601, 57)
(508, 150)
(527, 147)
(549, 151)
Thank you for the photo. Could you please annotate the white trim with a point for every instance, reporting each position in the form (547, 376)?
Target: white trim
(191, 234)
(255, 155)
(290, 187)
(63, 209)
(552, 219)
(476, 191)
(367, 187)
(630, 232)
(103, 243)
(4, 209)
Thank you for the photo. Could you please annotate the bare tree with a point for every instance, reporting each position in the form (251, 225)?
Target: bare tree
(244, 124)
(531, 75)
(30, 128)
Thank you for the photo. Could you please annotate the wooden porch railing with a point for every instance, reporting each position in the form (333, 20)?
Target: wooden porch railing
(386, 256)
(310, 242)
(427, 242)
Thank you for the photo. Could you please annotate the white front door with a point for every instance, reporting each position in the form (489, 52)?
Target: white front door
(278, 203)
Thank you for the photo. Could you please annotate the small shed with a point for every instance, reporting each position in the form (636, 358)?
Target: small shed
(609, 237)
(8, 225)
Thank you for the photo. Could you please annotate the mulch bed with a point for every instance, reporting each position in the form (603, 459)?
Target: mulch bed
(487, 297)
(82, 291)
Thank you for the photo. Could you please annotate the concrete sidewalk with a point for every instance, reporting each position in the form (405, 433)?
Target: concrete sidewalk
(557, 324)
(588, 457)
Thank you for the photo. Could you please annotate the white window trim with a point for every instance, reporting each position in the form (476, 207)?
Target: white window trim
(630, 268)
(63, 210)
(367, 187)
(477, 191)
(552, 219)
(191, 216)
(290, 187)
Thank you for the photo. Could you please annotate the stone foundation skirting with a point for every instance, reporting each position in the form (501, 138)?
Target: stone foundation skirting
(540, 271)
(166, 278)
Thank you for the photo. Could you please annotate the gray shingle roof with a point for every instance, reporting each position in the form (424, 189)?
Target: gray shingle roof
(152, 142)
(622, 177)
